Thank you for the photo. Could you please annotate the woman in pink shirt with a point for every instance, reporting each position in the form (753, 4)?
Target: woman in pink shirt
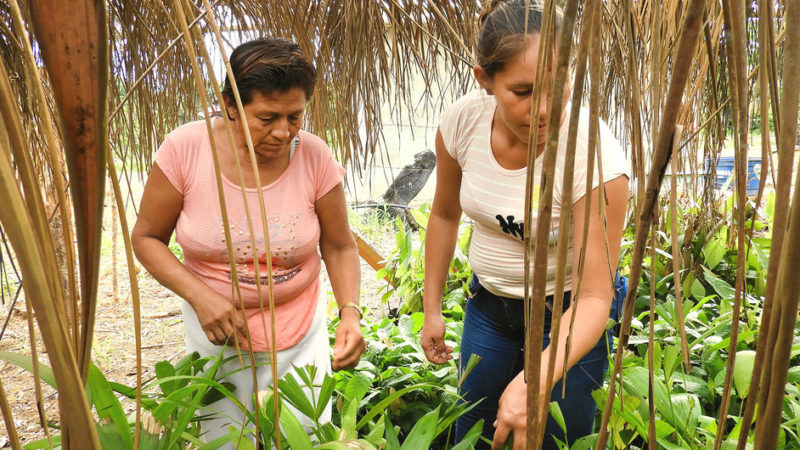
(306, 219)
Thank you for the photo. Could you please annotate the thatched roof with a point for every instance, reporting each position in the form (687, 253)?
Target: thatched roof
(367, 53)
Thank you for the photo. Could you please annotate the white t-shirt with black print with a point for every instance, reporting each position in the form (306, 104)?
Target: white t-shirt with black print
(494, 197)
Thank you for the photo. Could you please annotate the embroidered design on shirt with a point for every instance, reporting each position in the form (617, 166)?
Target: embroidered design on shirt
(284, 245)
(278, 277)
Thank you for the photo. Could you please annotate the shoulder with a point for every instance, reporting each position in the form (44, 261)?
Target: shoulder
(613, 159)
(470, 105)
(316, 165)
(465, 119)
(314, 154)
(313, 147)
(613, 152)
(181, 154)
(182, 143)
(313, 141)
(610, 147)
(189, 134)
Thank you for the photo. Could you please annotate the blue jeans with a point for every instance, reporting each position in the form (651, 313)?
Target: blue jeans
(494, 329)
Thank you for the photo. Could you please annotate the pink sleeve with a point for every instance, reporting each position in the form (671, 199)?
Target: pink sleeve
(329, 173)
(169, 161)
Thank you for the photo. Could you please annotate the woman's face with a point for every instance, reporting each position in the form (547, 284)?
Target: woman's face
(274, 119)
(512, 87)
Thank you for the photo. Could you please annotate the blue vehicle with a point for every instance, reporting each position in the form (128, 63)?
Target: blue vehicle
(725, 169)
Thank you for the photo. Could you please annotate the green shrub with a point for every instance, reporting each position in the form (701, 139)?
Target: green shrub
(405, 267)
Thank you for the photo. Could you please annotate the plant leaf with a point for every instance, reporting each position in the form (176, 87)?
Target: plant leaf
(381, 406)
(26, 362)
(472, 436)
(356, 387)
(352, 444)
(722, 288)
(558, 416)
(293, 393)
(293, 430)
(423, 432)
(715, 249)
(324, 394)
(108, 409)
(390, 434)
(164, 370)
(743, 370)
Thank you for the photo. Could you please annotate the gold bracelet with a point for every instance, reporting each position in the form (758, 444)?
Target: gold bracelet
(351, 305)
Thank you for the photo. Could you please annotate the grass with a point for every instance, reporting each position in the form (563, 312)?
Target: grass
(371, 223)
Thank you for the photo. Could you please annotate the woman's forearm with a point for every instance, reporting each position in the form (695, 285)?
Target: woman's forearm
(440, 242)
(344, 272)
(442, 231)
(590, 321)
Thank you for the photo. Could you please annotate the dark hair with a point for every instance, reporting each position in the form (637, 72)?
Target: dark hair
(504, 31)
(267, 65)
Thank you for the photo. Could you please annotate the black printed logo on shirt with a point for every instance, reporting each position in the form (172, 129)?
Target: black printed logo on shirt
(510, 227)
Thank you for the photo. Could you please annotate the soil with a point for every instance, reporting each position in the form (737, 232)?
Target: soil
(114, 349)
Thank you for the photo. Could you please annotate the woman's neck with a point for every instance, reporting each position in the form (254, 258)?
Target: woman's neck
(509, 150)
(269, 169)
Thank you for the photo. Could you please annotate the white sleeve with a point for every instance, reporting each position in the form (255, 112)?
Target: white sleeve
(609, 156)
(448, 127)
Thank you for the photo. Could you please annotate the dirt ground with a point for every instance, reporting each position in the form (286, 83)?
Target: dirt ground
(114, 348)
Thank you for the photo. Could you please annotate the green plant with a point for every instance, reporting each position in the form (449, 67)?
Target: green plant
(358, 426)
(687, 404)
(405, 267)
(393, 399)
(394, 361)
(170, 402)
(371, 222)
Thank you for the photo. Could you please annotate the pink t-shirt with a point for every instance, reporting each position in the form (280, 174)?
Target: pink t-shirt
(185, 158)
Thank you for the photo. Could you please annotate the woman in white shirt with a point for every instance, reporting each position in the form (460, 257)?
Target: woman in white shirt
(482, 155)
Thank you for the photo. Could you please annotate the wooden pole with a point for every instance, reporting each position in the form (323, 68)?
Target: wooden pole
(661, 155)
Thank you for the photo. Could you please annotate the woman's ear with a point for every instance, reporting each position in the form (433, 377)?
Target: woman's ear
(483, 80)
(230, 109)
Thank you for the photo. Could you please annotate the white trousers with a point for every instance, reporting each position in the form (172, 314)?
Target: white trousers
(313, 349)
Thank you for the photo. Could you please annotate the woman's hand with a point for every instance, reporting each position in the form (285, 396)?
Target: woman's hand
(349, 344)
(432, 340)
(219, 319)
(340, 253)
(513, 412)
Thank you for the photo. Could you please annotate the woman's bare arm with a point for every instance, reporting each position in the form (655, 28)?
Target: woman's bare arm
(340, 253)
(159, 211)
(440, 242)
